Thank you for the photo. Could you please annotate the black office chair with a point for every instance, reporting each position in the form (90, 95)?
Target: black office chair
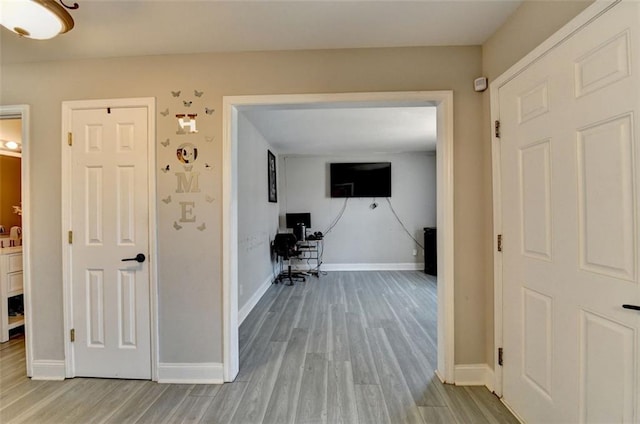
(285, 247)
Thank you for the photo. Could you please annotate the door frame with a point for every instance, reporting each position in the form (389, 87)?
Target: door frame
(443, 100)
(23, 112)
(576, 24)
(68, 107)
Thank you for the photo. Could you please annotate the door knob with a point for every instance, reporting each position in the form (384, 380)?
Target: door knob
(139, 258)
(634, 307)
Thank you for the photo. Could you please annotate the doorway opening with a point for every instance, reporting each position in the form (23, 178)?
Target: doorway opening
(442, 101)
(16, 312)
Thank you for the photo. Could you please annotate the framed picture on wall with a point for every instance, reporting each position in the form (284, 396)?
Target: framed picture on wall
(271, 177)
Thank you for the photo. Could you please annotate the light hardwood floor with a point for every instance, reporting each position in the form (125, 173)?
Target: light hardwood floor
(350, 347)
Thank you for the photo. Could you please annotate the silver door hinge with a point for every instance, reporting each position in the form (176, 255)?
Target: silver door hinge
(499, 242)
(72, 334)
(497, 128)
(500, 356)
(70, 237)
(70, 139)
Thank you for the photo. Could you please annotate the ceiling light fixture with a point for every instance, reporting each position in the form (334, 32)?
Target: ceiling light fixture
(11, 145)
(37, 19)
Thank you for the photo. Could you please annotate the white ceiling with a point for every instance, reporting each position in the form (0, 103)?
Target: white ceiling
(109, 28)
(335, 131)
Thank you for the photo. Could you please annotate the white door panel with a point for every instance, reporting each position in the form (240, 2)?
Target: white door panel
(570, 193)
(111, 309)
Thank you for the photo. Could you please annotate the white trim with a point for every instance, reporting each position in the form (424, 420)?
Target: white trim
(199, 373)
(496, 175)
(474, 375)
(153, 238)
(24, 112)
(443, 100)
(48, 370)
(445, 237)
(67, 306)
(26, 237)
(253, 301)
(514, 413)
(230, 322)
(67, 113)
(408, 266)
(589, 14)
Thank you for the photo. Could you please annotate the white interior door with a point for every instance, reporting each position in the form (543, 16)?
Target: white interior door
(110, 222)
(570, 202)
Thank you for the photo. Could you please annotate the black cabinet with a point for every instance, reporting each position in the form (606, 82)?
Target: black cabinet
(430, 251)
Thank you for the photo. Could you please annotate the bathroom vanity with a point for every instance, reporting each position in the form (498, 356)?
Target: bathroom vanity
(11, 286)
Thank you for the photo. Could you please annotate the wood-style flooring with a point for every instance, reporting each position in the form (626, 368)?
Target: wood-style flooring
(349, 347)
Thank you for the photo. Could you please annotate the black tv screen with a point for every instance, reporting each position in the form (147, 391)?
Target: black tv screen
(361, 179)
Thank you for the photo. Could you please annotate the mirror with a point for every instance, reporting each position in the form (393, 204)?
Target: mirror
(11, 135)
(10, 173)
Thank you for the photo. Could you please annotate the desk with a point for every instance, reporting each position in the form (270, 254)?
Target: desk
(311, 250)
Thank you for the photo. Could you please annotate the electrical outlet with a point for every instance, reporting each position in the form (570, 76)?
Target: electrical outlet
(415, 252)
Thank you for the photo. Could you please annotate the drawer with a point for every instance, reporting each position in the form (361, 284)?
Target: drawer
(15, 262)
(15, 283)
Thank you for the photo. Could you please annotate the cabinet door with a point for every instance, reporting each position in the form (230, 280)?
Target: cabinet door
(15, 286)
(15, 262)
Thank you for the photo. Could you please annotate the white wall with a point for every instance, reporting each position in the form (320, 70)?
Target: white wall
(257, 218)
(364, 235)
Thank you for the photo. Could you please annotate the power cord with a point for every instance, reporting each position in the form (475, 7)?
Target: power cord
(338, 217)
(403, 227)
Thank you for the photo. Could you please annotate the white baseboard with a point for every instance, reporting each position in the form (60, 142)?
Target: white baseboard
(514, 413)
(198, 373)
(408, 266)
(253, 301)
(47, 370)
(474, 375)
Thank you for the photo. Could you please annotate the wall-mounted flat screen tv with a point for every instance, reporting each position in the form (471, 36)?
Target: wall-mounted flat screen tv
(361, 179)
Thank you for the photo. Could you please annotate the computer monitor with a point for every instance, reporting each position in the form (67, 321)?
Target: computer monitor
(294, 219)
